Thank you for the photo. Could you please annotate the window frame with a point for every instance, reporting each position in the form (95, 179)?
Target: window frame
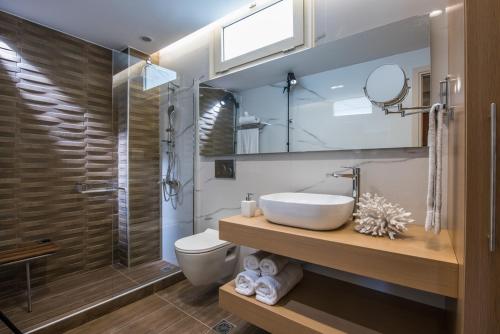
(221, 65)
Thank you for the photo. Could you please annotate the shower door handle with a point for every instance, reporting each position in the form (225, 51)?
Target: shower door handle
(493, 177)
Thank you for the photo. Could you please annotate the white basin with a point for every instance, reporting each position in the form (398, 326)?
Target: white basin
(309, 211)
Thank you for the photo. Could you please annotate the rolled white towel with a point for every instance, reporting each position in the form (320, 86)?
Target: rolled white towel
(245, 282)
(272, 265)
(270, 289)
(252, 261)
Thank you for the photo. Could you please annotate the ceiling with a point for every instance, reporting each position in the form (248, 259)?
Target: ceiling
(116, 24)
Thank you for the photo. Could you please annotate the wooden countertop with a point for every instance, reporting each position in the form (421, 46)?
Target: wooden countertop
(320, 304)
(418, 260)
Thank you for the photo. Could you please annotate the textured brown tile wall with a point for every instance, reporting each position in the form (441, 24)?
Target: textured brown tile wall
(56, 129)
(120, 108)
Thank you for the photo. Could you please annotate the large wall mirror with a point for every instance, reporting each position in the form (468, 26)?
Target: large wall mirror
(315, 100)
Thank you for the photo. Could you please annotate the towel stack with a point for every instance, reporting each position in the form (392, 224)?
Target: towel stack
(269, 276)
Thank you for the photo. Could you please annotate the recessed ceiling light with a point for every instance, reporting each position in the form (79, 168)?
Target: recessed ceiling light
(435, 13)
(146, 39)
(336, 87)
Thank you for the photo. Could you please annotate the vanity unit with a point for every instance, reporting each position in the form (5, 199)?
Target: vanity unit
(320, 304)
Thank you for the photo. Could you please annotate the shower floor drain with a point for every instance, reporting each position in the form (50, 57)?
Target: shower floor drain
(224, 327)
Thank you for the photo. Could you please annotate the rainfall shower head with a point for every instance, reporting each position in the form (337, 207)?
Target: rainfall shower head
(154, 75)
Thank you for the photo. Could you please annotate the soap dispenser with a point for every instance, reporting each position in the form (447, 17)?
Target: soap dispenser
(248, 206)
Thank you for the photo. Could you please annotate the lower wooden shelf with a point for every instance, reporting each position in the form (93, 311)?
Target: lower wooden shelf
(319, 304)
(418, 260)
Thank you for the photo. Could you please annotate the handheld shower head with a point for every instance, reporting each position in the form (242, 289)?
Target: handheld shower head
(170, 110)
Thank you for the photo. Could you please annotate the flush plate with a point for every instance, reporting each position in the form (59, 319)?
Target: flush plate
(224, 169)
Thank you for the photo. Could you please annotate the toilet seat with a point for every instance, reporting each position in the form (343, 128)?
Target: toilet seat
(204, 259)
(200, 243)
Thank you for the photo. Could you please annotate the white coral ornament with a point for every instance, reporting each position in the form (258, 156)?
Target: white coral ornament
(378, 217)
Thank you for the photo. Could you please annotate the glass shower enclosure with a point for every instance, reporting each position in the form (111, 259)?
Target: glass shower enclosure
(155, 164)
(124, 151)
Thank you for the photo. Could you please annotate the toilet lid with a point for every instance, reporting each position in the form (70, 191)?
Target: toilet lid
(201, 242)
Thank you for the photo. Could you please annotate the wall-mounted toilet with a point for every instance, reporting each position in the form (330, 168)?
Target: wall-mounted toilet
(205, 259)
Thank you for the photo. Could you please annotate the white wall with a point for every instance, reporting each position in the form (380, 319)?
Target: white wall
(398, 174)
(336, 19)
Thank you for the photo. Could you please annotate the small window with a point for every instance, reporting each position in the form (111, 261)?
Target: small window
(268, 29)
(354, 106)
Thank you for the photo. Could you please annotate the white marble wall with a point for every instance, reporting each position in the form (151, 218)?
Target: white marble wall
(177, 219)
(398, 174)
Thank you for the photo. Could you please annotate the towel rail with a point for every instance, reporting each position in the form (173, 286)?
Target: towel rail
(259, 126)
(83, 188)
(444, 92)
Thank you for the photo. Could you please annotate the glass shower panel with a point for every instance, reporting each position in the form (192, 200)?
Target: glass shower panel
(155, 165)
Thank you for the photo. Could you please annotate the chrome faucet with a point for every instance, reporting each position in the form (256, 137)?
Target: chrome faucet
(355, 175)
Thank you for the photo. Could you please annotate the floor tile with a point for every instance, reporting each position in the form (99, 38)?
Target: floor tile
(180, 309)
(188, 325)
(199, 302)
(125, 316)
(154, 322)
(243, 327)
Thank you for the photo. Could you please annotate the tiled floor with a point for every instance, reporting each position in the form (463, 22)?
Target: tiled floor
(74, 292)
(179, 309)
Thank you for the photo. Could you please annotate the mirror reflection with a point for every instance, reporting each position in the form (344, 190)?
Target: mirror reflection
(329, 110)
(335, 101)
(216, 123)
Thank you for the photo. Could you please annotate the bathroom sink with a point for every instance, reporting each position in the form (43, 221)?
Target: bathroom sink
(308, 211)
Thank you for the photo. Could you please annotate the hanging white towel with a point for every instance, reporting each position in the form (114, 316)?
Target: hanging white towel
(439, 172)
(270, 289)
(245, 282)
(272, 265)
(434, 186)
(247, 141)
(252, 261)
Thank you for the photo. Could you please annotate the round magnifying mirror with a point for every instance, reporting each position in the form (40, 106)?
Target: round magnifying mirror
(386, 85)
